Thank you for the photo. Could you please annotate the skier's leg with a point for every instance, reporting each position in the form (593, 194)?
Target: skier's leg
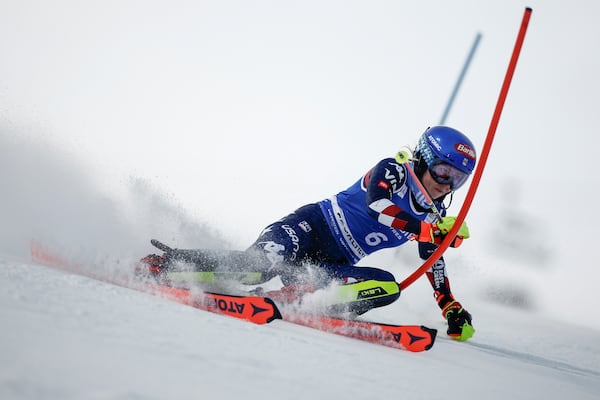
(360, 289)
(206, 264)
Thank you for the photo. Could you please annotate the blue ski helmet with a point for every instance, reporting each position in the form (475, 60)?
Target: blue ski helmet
(441, 146)
(447, 145)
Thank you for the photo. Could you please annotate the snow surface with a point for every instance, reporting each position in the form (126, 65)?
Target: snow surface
(71, 337)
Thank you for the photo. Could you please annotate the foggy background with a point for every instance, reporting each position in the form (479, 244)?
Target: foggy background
(199, 123)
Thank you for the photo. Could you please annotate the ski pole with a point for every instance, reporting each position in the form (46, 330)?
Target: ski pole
(483, 157)
(161, 246)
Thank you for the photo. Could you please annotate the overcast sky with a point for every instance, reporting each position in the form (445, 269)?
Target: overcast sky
(244, 110)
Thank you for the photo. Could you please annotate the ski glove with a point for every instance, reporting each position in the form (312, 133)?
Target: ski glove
(435, 232)
(459, 321)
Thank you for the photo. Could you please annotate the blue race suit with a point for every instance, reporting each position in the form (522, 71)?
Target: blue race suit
(322, 242)
(378, 211)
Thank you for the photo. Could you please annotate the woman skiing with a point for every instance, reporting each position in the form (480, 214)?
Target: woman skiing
(319, 244)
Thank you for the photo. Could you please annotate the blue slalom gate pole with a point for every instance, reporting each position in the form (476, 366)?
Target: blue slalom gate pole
(460, 78)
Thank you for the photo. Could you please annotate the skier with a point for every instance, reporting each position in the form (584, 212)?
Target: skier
(321, 243)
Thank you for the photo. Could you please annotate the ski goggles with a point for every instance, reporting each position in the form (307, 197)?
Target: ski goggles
(446, 174)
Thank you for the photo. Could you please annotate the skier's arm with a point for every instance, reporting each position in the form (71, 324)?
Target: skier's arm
(459, 319)
(389, 177)
(381, 182)
(437, 276)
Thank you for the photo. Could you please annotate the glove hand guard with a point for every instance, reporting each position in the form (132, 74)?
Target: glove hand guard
(459, 321)
(446, 224)
(435, 233)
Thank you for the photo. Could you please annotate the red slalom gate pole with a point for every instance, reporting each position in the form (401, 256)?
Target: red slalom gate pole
(482, 160)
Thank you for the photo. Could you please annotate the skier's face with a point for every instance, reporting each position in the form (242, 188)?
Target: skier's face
(435, 190)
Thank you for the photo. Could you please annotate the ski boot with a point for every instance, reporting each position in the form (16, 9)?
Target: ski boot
(356, 297)
(152, 266)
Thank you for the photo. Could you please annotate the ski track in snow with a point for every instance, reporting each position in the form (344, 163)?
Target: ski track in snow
(533, 359)
(70, 337)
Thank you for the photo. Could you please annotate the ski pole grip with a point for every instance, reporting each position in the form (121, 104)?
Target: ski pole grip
(404, 155)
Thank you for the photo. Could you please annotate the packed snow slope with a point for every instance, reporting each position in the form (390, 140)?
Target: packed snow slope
(70, 337)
